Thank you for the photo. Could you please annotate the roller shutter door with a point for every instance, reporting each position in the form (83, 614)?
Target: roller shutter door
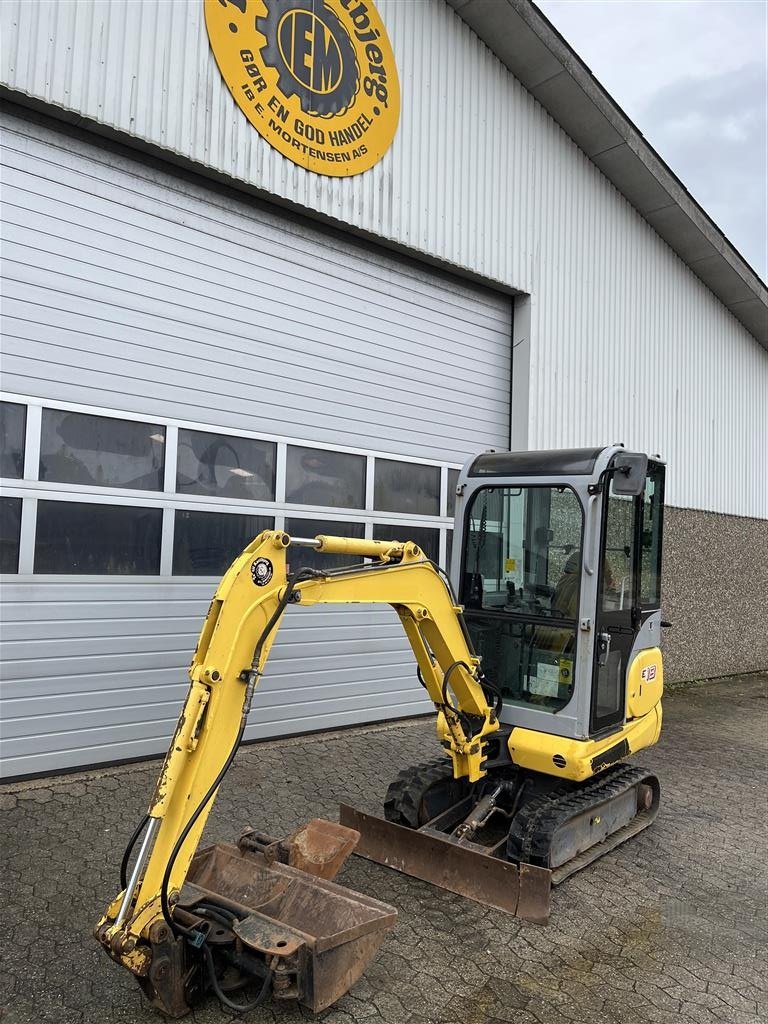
(135, 289)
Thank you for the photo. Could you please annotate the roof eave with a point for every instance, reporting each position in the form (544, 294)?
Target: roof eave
(537, 55)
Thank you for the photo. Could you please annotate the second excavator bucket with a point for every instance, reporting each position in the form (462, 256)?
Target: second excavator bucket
(465, 868)
(316, 937)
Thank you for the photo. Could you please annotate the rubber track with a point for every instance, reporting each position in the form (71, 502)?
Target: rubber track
(534, 826)
(403, 800)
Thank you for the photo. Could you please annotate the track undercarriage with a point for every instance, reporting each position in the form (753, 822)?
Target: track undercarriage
(506, 840)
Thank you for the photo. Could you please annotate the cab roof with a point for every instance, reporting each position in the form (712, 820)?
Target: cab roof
(554, 462)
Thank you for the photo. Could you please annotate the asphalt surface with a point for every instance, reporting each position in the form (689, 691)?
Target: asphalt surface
(668, 929)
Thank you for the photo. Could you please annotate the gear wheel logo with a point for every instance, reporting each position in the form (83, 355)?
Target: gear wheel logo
(261, 571)
(316, 78)
(312, 53)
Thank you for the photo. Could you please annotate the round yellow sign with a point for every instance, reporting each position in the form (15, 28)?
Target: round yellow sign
(316, 78)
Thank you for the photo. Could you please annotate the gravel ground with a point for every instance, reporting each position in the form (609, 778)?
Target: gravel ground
(669, 929)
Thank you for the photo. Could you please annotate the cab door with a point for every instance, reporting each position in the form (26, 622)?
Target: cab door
(628, 590)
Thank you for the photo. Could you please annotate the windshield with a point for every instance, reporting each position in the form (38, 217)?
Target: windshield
(520, 587)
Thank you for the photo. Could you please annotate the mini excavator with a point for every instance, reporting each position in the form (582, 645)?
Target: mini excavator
(541, 657)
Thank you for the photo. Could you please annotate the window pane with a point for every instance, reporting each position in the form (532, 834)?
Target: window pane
(521, 571)
(406, 487)
(453, 479)
(617, 576)
(448, 549)
(75, 537)
(316, 477)
(13, 418)
(524, 551)
(10, 529)
(427, 539)
(653, 510)
(531, 664)
(230, 467)
(564, 546)
(206, 543)
(93, 450)
(307, 558)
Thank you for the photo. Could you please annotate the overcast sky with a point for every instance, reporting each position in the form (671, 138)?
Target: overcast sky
(693, 76)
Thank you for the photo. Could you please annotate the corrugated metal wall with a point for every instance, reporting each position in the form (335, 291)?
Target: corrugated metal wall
(252, 318)
(127, 289)
(96, 672)
(629, 346)
(626, 343)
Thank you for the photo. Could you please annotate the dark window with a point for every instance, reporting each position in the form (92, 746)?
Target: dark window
(75, 537)
(308, 558)
(651, 539)
(317, 477)
(448, 549)
(230, 467)
(13, 419)
(427, 538)
(101, 452)
(453, 479)
(206, 543)
(617, 620)
(406, 487)
(10, 530)
(559, 462)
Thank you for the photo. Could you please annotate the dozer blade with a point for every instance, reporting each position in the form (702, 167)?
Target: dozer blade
(466, 869)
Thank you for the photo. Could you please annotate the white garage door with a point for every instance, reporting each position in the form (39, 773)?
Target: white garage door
(159, 336)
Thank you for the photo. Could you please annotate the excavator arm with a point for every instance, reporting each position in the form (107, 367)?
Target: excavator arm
(232, 650)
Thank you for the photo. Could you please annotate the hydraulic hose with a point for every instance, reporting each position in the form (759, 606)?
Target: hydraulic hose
(460, 715)
(129, 850)
(221, 995)
(489, 687)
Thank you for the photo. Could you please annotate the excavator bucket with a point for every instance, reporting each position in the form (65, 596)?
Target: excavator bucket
(466, 868)
(316, 937)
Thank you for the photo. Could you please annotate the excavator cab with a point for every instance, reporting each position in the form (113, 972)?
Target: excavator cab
(540, 654)
(559, 571)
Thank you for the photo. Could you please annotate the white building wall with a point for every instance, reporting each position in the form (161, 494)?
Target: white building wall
(625, 342)
(628, 345)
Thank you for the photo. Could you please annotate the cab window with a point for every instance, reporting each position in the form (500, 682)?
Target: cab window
(618, 575)
(521, 578)
(524, 551)
(650, 539)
